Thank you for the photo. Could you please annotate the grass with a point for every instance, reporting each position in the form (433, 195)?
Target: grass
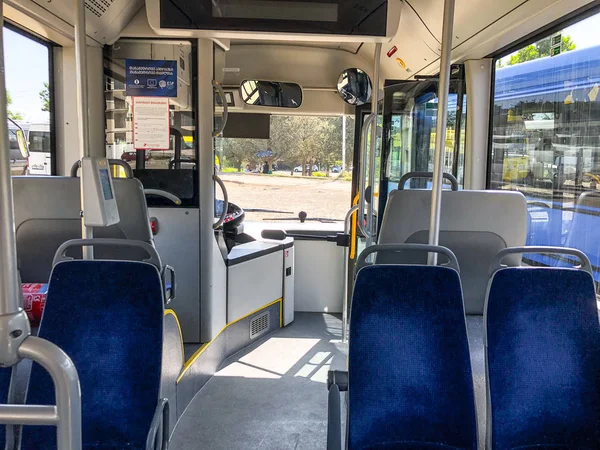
(346, 176)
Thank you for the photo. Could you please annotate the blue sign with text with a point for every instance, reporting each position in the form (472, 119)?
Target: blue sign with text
(150, 78)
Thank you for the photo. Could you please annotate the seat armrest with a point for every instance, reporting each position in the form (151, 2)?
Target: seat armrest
(338, 377)
(158, 435)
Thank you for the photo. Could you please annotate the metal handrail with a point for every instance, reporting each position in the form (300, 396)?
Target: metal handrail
(363, 173)
(111, 162)
(16, 341)
(225, 115)
(442, 118)
(372, 225)
(219, 222)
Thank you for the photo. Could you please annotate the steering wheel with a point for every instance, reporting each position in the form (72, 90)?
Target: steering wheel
(164, 194)
(232, 218)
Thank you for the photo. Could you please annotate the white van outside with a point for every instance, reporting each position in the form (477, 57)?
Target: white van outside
(40, 157)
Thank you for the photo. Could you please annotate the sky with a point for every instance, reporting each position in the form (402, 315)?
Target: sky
(26, 68)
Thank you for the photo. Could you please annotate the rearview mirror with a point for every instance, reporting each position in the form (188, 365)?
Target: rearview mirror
(354, 86)
(271, 93)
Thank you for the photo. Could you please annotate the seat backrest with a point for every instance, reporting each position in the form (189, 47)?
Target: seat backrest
(542, 359)
(108, 317)
(410, 377)
(584, 233)
(47, 213)
(5, 376)
(475, 225)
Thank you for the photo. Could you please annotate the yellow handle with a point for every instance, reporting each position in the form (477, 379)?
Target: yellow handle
(353, 229)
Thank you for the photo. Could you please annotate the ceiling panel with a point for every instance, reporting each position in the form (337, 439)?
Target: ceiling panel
(105, 19)
(470, 16)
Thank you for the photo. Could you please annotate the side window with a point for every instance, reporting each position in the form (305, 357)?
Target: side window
(546, 138)
(29, 101)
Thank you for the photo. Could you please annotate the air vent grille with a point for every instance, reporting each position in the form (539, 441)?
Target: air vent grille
(259, 325)
(98, 7)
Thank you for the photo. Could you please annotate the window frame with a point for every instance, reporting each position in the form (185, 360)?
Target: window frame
(572, 18)
(50, 46)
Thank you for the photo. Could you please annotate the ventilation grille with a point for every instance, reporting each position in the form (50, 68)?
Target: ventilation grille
(259, 325)
(98, 7)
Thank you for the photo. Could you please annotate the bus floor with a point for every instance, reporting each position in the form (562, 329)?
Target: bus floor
(270, 396)
(273, 395)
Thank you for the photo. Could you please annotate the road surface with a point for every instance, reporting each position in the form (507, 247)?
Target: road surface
(318, 197)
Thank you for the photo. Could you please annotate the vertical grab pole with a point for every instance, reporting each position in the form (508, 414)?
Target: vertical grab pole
(9, 281)
(15, 339)
(440, 138)
(372, 155)
(82, 109)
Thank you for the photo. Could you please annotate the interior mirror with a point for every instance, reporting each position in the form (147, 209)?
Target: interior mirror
(271, 93)
(354, 86)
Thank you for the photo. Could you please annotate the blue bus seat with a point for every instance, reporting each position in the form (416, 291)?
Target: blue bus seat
(5, 376)
(108, 317)
(543, 363)
(410, 384)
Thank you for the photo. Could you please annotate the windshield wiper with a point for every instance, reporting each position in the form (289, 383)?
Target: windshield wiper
(312, 219)
(273, 211)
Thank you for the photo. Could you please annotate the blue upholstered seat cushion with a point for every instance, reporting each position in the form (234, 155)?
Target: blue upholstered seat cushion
(409, 367)
(543, 356)
(108, 317)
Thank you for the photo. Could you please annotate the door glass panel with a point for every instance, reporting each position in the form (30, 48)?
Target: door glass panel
(411, 120)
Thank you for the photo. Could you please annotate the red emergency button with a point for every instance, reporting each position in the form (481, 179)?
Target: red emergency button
(154, 225)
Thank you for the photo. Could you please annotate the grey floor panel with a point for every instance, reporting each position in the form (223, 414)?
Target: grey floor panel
(270, 396)
(273, 396)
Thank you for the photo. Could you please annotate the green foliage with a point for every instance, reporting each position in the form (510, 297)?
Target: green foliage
(295, 141)
(45, 97)
(540, 49)
(11, 115)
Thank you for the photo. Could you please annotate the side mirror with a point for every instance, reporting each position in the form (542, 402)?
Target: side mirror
(22, 143)
(20, 135)
(355, 87)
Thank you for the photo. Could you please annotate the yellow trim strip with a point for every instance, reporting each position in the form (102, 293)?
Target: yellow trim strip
(174, 314)
(281, 314)
(201, 350)
(353, 229)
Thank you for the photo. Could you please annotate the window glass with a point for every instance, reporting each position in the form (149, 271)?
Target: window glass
(120, 112)
(300, 168)
(153, 128)
(546, 138)
(412, 120)
(29, 102)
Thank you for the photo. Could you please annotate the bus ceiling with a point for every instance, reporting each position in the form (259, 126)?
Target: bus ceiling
(410, 31)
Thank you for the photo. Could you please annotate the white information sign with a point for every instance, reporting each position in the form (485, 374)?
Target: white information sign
(151, 123)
